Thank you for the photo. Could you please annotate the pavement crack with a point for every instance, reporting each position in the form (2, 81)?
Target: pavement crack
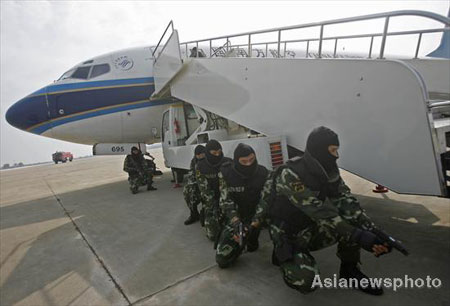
(77, 228)
(174, 284)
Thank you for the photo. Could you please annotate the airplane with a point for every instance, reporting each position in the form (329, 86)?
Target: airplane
(103, 99)
(108, 99)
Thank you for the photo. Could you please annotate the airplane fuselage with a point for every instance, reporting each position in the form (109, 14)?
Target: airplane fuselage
(105, 99)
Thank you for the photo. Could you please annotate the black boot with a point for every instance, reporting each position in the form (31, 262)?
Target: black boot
(253, 246)
(150, 187)
(202, 217)
(275, 261)
(252, 242)
(351, 270)
(194, 217)
(134, 190)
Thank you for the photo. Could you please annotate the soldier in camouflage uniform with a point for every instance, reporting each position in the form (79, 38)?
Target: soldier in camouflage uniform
(240, 183)
(208, 184)
(191, 192)
(309, 207)
(139, 174)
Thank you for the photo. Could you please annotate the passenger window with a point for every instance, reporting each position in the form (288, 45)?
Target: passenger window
(99, 70)
(81, 73)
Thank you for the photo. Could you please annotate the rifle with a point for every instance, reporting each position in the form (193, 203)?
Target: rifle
(391, 241)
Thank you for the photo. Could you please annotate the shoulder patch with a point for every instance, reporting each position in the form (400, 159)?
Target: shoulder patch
(298, 186)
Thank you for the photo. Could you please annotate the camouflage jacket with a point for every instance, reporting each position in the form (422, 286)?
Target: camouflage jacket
(132, 167)
(191, 176)
(341, 212)
(206, 182)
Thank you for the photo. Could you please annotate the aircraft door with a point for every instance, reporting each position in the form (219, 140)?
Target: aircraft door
(174, 129)
(178, 124)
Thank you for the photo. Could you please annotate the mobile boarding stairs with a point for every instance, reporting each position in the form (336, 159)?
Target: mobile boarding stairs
(392, 115)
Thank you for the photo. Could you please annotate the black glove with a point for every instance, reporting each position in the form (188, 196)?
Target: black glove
(365, 239)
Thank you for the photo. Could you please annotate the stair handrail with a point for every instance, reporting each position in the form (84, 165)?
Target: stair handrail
(387, 15)
(159, 42)
(220, 48)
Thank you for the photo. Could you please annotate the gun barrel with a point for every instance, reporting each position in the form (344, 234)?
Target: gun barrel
(391, 241)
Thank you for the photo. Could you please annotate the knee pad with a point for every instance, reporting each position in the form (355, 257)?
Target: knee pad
(303, 288)
(299, 273)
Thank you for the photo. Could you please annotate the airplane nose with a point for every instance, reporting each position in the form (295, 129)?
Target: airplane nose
(13, 115)
(27, 112)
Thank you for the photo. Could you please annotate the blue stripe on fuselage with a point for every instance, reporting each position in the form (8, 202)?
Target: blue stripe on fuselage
(86, 85)
(50, 124)
(90, 100)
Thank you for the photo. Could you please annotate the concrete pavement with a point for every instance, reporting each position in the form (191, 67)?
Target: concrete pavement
(73, 234)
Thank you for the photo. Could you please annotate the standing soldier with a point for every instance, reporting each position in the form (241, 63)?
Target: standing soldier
(208, 184)
(190, 191)
(139, 173)
(241, 183)
(309, 207)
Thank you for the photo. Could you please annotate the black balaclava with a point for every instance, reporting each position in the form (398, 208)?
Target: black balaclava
(199, 150)
(213, 145)
(317, 145)
(243, 150)
(136, 157)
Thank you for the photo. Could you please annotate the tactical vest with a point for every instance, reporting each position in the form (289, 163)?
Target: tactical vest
(134, 164)
(282, 212)
(245, 192)
(211, 173)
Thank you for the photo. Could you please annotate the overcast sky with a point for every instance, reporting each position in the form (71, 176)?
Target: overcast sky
(40, 40)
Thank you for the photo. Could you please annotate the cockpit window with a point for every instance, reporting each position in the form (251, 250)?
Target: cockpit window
(99, 70)
(66, 75)
(81, 73)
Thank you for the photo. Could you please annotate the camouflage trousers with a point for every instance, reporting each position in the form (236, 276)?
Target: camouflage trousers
(299, 267)
(191, 195)
(228, 250)
(140, 180)
(212, 224)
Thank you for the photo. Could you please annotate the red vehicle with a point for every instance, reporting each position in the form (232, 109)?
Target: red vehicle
(62, 157)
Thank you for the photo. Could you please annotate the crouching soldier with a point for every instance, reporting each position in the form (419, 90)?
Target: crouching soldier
(208, 184)
(139, 174)
(309, 208)
(241, 183)
(191, 192)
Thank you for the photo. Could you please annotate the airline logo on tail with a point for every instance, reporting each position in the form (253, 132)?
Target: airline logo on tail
(443, 51)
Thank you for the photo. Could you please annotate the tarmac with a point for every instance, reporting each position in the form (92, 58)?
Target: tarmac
(73, 234)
